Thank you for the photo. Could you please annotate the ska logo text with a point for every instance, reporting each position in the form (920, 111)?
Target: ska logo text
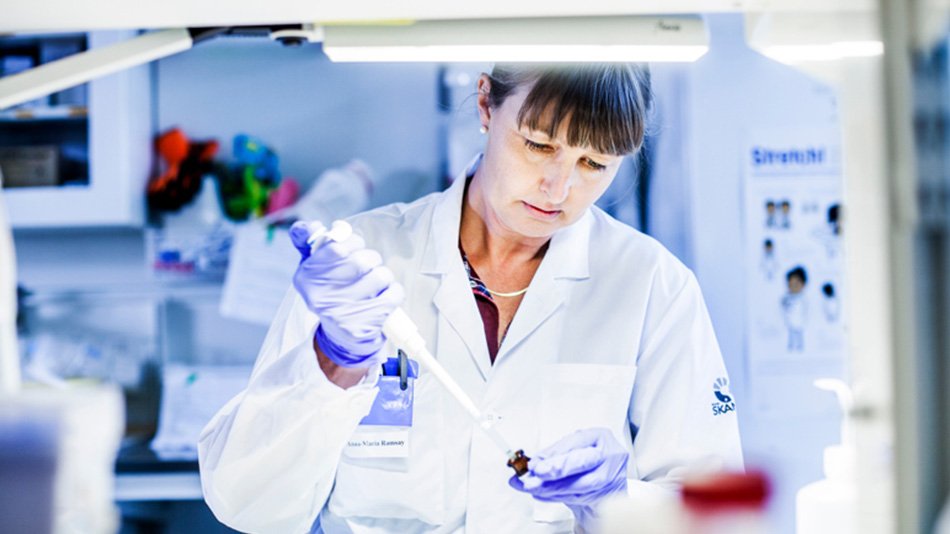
(724, 403)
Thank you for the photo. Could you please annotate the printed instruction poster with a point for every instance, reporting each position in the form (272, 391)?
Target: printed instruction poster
(794, 264)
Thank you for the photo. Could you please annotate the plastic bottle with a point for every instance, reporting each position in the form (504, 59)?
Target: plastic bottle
(337, 194)
(830, 505)
(647, 512)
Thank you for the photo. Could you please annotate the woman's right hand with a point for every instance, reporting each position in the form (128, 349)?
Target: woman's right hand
(347, 286)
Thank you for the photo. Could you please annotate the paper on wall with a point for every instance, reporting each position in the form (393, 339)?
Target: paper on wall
(191, 395)
(794, 265)
(261, 268)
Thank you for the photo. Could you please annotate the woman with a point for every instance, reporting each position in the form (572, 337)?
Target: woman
(586, 342)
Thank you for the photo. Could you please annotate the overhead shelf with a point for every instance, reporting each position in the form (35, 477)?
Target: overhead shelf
(51, 113)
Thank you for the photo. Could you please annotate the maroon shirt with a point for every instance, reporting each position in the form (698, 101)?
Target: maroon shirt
(486, 307)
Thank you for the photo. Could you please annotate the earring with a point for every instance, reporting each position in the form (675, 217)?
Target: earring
(483, 129)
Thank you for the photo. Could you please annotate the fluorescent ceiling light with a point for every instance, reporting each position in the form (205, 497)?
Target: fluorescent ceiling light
(804, 37)
(577, 39)
(826, 52)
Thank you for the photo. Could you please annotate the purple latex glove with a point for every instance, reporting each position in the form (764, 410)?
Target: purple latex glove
(579, 470)
(352, 293)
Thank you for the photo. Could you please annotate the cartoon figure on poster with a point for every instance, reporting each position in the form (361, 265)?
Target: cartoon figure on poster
(834, 230)
(770, 214)
(830, 302)
(768, 265)
(785, 221)
(833, 219)
(795, 308)
(829, 233)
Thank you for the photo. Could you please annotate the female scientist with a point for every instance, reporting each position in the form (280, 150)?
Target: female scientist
(586, 342)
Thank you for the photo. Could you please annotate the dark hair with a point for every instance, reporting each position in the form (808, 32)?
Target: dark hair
(606, 103)
(828, 289)
(798, 271)
(768, 243)
(833, 213)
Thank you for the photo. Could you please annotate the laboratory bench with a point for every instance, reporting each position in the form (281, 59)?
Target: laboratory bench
(157, 496)
(140, 475)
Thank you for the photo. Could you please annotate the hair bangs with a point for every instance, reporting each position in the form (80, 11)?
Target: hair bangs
(605, 106)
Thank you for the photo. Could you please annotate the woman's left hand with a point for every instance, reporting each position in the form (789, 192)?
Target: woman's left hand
(579, 470)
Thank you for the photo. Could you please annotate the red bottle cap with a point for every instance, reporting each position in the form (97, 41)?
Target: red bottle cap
(726, 490)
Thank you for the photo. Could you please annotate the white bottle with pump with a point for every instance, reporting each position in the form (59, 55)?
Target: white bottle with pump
(830, 505)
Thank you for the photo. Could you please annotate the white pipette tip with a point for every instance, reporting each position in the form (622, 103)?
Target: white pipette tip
(339, 231)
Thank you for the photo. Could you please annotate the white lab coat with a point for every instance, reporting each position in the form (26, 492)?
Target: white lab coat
(796, 310)
(612, 332)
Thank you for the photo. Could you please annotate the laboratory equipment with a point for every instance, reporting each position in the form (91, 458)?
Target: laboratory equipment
(338, 192)
(726, 503)
(651, 512)
(403, 333)
(85, 422)
(75, 431)
(348, 288)
(194, 241)
(28, 454)
(830, 505)
(718, 502)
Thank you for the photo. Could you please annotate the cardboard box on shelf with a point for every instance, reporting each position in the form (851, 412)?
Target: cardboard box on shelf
(30, 166)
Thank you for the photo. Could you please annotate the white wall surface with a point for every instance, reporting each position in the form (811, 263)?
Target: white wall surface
(313, 113)
(707, 111)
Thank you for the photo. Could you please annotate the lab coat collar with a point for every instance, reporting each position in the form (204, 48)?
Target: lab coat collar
(565, 261)
(441, 254)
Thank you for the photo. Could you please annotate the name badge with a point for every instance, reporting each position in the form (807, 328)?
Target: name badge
(384, 432)
(378, 443)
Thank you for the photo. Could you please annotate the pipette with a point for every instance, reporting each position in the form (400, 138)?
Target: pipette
(403, 333)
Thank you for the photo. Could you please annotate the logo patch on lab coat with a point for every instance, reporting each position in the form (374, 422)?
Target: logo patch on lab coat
(724, 403)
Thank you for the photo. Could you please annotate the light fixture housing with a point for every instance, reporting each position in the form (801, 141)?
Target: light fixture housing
(85, 66)
(555, 39)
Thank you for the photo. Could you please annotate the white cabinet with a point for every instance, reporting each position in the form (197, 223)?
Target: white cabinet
(118, 144)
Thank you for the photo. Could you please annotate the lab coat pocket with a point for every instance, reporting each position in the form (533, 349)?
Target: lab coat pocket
(576, 396)
(410, 487)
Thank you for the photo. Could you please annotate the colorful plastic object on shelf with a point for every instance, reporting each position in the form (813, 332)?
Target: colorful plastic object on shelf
(251, 178)
(185, 163)
(284, 196)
